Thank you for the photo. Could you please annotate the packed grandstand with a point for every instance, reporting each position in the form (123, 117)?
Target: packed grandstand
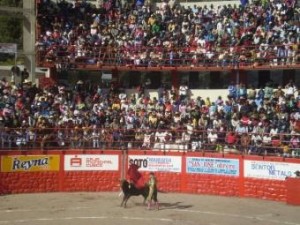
(147, 34)
(93, 116)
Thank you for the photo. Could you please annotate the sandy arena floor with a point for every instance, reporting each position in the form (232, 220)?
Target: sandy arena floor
(176, 209)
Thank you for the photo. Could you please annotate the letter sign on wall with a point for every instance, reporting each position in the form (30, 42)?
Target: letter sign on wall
(29, 163)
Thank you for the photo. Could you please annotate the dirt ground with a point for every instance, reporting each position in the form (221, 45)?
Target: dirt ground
(175, 209)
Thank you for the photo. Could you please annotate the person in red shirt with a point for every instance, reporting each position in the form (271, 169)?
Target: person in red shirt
(231, 139)
(134, 176)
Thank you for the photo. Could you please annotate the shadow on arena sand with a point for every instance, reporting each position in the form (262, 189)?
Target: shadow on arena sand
(104, 208)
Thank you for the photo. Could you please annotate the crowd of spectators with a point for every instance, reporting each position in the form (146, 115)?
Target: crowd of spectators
(248, 121)
(143, 33)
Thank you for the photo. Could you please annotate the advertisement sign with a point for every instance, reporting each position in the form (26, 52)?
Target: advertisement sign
(269, 170)
(91, 162)
(8, 48)
(157, 163)
(29, 163)
(212, 166)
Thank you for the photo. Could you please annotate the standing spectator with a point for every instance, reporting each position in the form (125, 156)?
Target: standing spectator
(291, 89)
(95, 137)
(245, 143)
(86, 137)
(139, 137)
(148, 139)
(261, 94)
(161, 92)
(267, 143)
(232, 90)
(231, 139)
(242, 91)
(212, 139)
(31, 137)
(183, 91)
(278, 94)
(252, 93)
(241, 129)
(256, 144)
(294, 145)
(196, 141)
(268, 91)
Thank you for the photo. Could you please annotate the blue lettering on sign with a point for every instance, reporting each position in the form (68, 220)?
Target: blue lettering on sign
(272, 170)
(261, 167)
(213, 166)
(279, 173)
(160, 160)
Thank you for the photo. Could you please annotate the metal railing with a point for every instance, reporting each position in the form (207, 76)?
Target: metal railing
(193, 56)
(146, 139)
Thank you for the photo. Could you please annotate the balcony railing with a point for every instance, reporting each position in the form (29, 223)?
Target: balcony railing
(155, 140)
(237, 57)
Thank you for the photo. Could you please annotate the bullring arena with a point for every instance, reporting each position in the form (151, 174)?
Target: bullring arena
(104, 208)
(213, 112)
(77, 187)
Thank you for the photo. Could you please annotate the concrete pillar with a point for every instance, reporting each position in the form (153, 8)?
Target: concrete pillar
(29, 37)
(175, 78)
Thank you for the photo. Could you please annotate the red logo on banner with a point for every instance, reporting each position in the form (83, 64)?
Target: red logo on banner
(75, 162)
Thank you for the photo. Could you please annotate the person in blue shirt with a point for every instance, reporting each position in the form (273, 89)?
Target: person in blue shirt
(232, 90)
(258, 101)
(261, 93)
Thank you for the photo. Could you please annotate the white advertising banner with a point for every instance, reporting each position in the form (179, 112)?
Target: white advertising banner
(91, 162)
(8, 48)
(270, 170)
(157, 163)
(212, 166)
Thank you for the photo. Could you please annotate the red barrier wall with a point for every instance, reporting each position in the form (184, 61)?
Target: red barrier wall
(68, 181)
(293, 187)
(91, 180)
(60, 181)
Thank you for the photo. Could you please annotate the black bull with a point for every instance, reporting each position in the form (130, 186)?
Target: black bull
(132, 191)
